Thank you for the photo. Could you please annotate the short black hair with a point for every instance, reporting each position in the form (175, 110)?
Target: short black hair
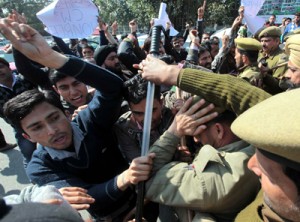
(88, 47)
(203, 49)
(225, 117)
(136, 90)
(251, 54)
(55, 76)
(20, 106)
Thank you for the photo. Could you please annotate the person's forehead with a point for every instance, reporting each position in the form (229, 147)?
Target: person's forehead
(111, 54)
(268, 166)
(204, 55)
(266, 39)
(142, 104)
(69, 80)
(39, 113)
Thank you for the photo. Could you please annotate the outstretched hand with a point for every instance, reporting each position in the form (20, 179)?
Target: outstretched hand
(77, 197)
(157, 71)
(28, 41)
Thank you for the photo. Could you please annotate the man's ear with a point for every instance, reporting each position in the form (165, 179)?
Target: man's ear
(220, 131)
(55, 89)
(28, 137)
(244, 58)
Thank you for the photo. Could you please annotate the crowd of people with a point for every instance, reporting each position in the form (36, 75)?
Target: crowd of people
(217, 150)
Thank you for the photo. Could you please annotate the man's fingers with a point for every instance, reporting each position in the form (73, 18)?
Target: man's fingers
(136, 66)
(73, 189)
(53, 201)
(80, 200)
(80, 206)
(204, 119)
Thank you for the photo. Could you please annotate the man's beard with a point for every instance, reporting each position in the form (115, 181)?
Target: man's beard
(117, 70)
(286, 84)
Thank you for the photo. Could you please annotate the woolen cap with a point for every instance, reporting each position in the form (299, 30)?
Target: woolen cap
(292, 48)
(273, 126)
(271, 31)
(248, 44)
(102, 52)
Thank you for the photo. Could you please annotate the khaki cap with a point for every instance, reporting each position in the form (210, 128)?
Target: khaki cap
(271, 31)
(273, 126)
(248, 44)
(292, 48)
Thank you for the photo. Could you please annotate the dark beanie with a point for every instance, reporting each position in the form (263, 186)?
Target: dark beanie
(27, 212)
(4, 61)
(102, 52)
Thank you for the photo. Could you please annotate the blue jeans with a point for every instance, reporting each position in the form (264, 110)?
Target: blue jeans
(25, 146)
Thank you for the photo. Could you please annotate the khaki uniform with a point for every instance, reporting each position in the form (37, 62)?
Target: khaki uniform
(275, 58)
(258, 211)
(217, 182)
(251, 74)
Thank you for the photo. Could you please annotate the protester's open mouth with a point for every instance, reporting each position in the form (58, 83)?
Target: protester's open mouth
(77, 99)
(60, 139)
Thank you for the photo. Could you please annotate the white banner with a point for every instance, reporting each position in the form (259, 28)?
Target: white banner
(163, 18)
(257, 12)
(252, 7)
(70, 18)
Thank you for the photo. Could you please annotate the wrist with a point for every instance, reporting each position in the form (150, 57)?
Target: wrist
(54, 60)
(196, 43)
(173, 71)
(172, 129)
(122, 181)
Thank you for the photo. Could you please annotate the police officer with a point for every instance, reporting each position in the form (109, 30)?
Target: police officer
(246, 54)
(277, 158)
(272, 59)
(293, 49)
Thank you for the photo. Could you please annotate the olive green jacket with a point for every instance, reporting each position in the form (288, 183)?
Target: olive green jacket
(217, 182)
(258, 211)
(226, 91)
(277, 57)
(251, 74)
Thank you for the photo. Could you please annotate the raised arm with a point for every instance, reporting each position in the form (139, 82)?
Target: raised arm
(32, 72)
(225, 91)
